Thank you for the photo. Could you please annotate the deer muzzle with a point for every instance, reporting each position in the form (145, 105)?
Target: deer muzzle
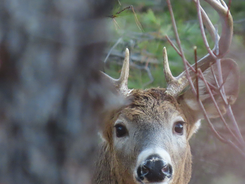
(153, 165)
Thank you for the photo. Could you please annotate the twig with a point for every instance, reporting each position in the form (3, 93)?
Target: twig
(172, 44)
(150, 76)
(115, 23)
(179, 44)
(135, 16)
(202, 29)
(216, 106)
(107, 56)
(197, 86)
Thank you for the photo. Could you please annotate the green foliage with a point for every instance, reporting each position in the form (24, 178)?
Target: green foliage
(156, 23)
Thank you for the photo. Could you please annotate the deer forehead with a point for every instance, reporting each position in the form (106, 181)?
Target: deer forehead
(153, 105)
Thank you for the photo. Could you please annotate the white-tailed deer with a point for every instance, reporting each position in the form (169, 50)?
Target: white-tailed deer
(148, 140)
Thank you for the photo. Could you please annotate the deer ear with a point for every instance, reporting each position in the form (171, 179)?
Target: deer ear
(230, 75)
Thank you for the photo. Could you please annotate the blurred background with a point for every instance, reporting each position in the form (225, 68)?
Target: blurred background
(51, 93)
(213, 161)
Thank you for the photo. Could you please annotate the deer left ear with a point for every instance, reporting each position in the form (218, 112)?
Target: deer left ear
(230, 75)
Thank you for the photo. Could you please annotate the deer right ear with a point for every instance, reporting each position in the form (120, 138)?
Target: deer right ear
(230, 74)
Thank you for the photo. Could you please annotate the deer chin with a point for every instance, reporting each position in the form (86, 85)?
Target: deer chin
(153, 167)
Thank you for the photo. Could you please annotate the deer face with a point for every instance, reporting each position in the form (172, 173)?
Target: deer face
(150, 138)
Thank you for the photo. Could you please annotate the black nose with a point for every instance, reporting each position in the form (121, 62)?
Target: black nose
(154, 169)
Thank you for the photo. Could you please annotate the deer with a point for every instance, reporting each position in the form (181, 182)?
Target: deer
(147, 140)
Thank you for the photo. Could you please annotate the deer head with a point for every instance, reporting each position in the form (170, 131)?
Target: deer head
(148, 140)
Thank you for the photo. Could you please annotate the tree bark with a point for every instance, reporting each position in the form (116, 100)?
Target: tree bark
(51, 93)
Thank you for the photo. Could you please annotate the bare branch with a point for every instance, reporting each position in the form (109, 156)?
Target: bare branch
(135, 16)
(113, 47)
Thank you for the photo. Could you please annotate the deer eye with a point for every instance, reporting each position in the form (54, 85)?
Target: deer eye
(121, 130)
(179, 127)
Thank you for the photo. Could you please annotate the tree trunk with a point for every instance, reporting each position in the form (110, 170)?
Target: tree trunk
(51, 92)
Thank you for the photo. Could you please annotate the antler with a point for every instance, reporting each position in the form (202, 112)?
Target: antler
(176, 85)
(122, 83)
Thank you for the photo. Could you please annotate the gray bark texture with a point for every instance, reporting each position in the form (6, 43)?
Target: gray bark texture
(51, 93)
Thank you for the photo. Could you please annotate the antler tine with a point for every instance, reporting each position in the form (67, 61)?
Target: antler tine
(167, 72)
(174, 85)
(123, 80)
(122, 83)
(224, 40)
